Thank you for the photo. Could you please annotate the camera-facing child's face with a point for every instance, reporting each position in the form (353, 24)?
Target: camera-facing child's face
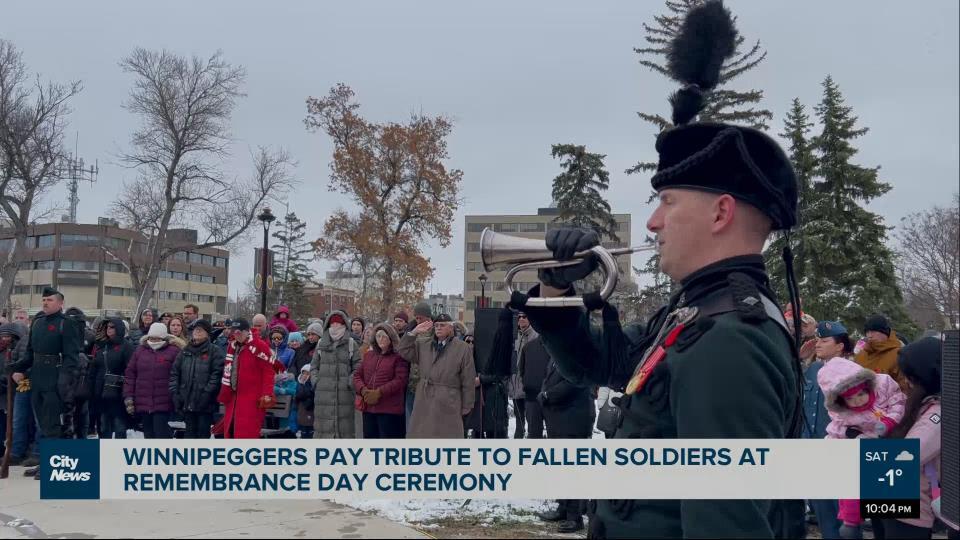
(857, 400)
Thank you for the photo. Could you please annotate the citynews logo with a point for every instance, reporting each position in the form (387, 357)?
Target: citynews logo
(69, 469)
(64, 469)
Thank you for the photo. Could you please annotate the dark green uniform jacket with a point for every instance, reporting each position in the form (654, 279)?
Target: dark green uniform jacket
(731, 374)
(51, 356)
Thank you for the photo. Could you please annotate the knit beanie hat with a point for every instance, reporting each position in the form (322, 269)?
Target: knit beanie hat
(315, 328)
(877, 323)
(295, 337)
(921, 362)
(403, 316)
(422, 309)
(158, 330)
(201, 323)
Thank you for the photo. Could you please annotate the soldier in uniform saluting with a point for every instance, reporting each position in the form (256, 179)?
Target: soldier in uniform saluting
(718, 360)
(52, 354)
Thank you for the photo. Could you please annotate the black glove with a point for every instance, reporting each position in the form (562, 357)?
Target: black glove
(565, 243)
(853, 433)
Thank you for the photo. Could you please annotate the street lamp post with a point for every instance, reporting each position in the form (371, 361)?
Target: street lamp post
(483, 290)
(266, 217)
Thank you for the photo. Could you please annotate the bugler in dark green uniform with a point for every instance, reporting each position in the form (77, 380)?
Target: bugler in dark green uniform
(717, 361)
(728, 375)
(52, 352)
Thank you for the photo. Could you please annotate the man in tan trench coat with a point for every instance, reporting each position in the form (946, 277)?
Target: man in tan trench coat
(445, 392)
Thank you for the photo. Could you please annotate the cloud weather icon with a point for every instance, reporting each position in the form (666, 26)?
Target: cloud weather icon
(904, 456)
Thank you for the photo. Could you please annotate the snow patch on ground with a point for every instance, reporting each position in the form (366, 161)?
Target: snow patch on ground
(486, 511)
(426, 512)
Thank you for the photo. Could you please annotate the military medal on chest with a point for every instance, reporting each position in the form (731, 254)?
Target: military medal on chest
(676, 322)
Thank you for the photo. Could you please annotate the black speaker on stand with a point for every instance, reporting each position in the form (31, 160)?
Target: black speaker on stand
(484, 331)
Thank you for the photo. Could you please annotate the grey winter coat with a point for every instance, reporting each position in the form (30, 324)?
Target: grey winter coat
(331, 372)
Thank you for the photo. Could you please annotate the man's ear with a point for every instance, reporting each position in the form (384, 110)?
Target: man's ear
(724, 210)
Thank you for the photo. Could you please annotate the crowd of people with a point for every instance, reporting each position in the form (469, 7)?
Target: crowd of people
(420, 377)
(178, 375)
(880, 386)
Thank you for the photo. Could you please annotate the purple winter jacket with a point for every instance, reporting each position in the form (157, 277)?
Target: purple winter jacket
(147, 379)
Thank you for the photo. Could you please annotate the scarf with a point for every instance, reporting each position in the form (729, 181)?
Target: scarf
(337, 331)
(234, 350)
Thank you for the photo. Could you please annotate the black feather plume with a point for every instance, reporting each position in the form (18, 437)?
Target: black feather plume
(707, 37)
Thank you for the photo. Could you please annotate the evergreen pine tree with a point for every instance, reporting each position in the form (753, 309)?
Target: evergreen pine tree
(293, 252)
(853, 276)
(796, 131)
(577, 191)
(722, 104)
(301, 309)
(651, 297)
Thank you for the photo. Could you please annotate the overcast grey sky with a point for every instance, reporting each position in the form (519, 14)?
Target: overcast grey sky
(515, 76)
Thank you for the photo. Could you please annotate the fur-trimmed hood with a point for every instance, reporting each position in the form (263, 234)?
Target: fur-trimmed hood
(346, 320)
(394, 337)
(839, 375)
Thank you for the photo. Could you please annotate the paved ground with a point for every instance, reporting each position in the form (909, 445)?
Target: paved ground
(24, 515)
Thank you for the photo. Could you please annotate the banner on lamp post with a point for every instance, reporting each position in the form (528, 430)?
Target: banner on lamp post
(258, 268)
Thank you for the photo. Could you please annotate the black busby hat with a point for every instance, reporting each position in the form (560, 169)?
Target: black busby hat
(711, 156)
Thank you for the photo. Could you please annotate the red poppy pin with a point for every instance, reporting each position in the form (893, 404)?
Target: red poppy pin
(52, 328)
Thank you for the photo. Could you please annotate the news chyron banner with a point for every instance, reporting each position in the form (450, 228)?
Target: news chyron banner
(883, 474)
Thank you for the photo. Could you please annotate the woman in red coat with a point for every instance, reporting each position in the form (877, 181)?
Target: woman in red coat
(247, 385)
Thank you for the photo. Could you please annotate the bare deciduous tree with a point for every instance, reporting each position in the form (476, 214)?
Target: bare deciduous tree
(185, 106)
(32, 124)
(929, 263)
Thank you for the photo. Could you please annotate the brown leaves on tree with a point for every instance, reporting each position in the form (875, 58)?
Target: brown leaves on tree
(405, 194)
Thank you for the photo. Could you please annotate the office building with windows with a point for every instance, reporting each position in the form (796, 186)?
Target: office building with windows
(86, 263)
(527, 226)
(449, 304)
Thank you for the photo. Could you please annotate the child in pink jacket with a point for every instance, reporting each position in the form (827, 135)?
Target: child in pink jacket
(860, 403)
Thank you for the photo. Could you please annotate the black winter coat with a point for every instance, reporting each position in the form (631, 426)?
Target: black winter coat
(110, 357)
(196, 377)
(533, 367)
(568, 409)
(302, 357)
(9, 357)
(16, 352)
